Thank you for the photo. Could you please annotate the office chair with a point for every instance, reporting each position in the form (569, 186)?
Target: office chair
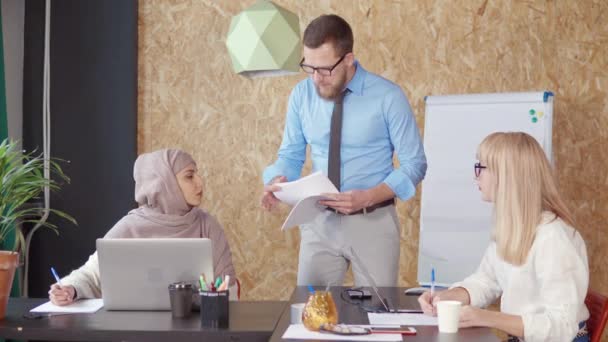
(598, 314)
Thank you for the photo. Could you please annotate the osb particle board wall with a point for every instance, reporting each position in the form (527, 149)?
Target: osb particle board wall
(189, 98)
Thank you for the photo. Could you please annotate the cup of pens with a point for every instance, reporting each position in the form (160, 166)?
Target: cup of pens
(214, 303)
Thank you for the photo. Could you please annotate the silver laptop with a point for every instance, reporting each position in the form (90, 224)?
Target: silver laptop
(135, 273)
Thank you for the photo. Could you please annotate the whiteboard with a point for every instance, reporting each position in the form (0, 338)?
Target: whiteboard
(455, 224)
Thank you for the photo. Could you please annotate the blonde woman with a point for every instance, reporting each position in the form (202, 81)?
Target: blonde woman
(536, 263)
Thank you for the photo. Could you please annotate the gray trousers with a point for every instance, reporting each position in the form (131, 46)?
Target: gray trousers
(324, 257)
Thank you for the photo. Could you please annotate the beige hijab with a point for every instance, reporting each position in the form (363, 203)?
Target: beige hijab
(163, 211)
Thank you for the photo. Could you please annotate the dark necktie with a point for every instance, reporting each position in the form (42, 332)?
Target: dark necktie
(335, 137)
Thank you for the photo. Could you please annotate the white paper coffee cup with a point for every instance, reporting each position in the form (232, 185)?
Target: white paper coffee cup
(448, 315)
(296, 313)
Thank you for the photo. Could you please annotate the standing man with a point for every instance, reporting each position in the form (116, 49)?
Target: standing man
(354, 121)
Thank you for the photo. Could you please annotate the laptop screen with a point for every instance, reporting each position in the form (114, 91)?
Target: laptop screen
(135, 273)
(368, 277)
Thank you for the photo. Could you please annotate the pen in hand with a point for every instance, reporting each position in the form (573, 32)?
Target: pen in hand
(433, 290)
(432, 283)
(57, 279)
(60, 293)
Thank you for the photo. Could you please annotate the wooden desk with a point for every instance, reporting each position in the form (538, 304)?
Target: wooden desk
(249, 321)
(353, 314)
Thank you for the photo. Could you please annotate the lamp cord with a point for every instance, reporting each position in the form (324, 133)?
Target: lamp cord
(46, 144)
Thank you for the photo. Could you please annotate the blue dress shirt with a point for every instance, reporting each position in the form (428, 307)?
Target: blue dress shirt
(377, 122)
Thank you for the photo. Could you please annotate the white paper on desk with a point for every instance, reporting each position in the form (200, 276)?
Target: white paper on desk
(311, 185)
(79, 306)
(299, 332)
(401, 319)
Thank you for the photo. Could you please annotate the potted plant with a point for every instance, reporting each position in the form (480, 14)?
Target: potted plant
(22, 179)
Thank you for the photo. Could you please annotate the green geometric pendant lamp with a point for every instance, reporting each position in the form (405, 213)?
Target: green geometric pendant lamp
(264, 40)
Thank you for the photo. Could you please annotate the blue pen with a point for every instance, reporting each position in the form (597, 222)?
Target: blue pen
(310, 289)
(432, 282)
(56, 276)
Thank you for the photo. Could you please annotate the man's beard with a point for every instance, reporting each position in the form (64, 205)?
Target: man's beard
(332, 92)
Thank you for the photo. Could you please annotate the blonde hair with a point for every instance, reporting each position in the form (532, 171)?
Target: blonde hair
(525, 186)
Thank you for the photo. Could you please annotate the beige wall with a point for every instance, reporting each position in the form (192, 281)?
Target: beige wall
(190, 98)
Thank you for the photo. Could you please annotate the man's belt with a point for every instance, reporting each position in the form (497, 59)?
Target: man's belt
(368, 209)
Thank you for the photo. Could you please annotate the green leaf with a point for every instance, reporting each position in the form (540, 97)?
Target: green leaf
(21, 181)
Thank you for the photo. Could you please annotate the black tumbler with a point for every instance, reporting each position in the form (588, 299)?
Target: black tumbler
(180, 295)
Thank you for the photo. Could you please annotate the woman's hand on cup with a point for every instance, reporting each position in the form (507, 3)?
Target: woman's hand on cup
(470, 316)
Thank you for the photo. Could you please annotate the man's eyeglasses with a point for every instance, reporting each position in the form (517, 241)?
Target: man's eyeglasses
(323, 71)
(478, 168)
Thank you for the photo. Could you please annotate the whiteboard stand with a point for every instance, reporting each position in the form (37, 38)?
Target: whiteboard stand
(455, 224)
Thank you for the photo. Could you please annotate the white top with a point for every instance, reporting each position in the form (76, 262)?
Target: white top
(86, 279)
(548, 291)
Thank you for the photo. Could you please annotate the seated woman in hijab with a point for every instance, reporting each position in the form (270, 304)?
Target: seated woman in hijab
(168, 190)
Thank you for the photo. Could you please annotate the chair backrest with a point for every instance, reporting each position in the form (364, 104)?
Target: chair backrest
(598, 314)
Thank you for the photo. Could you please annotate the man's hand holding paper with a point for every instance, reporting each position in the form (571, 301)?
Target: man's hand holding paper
(304, 194)
(349, 201)
(269, 201)
(312, 185)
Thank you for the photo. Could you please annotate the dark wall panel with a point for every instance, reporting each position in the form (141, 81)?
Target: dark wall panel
(93, 120)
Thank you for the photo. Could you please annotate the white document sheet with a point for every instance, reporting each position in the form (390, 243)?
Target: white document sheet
(80, 306)
(299, 332)
(304, 195)
(305, 211)
(401, 319)
(311, 185)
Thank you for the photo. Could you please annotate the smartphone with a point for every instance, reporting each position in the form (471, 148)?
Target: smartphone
(39, 315)
(35, 315)
(359, 294)
(415, 291)
(403, 330)
(344, 329)
(412, 311)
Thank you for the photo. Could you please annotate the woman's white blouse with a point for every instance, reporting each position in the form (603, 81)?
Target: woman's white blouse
(547, 291)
